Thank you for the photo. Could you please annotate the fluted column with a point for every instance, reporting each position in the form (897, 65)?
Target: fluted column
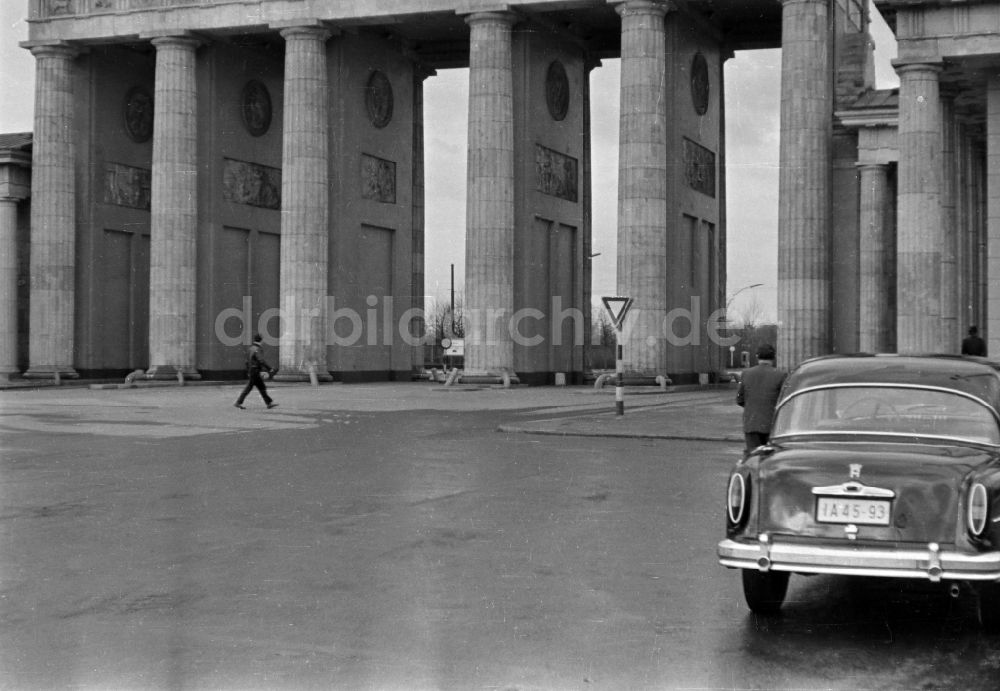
(305, 205)
(489, 253)
(53, 217)
(993, 215)
(876, 255)
(8, 285)
(920, 235)
(174, 213)
(804, 183)
(642, 185)
(418, 325)
(951, 329)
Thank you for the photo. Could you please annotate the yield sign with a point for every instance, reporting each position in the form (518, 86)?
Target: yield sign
(617, 307)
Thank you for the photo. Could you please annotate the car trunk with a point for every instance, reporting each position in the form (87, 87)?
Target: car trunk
(925, 481)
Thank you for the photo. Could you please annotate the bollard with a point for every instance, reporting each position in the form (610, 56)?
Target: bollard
(313, 378)
(180, 377)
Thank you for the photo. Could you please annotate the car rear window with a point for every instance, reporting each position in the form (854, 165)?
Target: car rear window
(902, 411)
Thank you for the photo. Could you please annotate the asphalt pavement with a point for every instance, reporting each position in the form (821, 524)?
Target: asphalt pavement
(706, 413)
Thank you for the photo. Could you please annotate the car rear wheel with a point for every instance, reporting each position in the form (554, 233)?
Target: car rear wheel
(764, 590)
(989, 607)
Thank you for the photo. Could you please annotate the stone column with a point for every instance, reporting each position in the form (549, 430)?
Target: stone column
(489, 252)
(642, 185)
(53, 217)
(920, 235)
(875, 253)
(174, 213)
(305, 205)
(952, 329)
(993, 216)
(8, 284)
(804, 183)
(417, 325)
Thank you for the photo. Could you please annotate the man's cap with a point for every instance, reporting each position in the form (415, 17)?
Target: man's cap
(765, 352)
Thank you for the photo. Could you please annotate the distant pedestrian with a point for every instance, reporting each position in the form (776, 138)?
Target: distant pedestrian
(973, 344)
(255, 365)
(758, 395)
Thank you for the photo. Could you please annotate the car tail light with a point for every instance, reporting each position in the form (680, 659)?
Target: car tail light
(736, 498)
(978, 509)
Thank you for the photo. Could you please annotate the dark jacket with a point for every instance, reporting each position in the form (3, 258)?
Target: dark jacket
(973, 345)
(758, 394)
(255, 360)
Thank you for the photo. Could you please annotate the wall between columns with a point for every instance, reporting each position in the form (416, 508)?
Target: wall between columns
(113, 212)
(371, 239)
(548, 226)
(238, 189)
(695, 261)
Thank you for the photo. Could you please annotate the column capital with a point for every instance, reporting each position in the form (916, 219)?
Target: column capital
(181, 39)
(642, 7)
(871, 165)
(309, 31)
(935, 65)
(50, 49)
(499, 14)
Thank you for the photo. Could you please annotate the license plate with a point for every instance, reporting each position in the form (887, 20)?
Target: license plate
(847, 510)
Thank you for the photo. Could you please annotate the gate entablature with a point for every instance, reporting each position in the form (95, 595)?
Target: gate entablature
(438, 34)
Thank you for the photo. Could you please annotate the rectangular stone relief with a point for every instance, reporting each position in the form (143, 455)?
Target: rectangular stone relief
(58, 8)
(556, 173)
(378, 179)
(127, 186)
(251, 184)
(699, 168)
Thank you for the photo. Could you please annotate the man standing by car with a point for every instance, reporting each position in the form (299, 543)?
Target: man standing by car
(758, 395)
(973, 344)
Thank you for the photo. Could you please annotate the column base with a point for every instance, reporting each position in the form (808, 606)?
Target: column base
(168, 372)
(633, 378)
(297, 374)
(51, 372)
(469, 377)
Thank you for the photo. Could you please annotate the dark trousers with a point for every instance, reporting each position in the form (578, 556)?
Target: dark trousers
(755, 439)
(258, 381)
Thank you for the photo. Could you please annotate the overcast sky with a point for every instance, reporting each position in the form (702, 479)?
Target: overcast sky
(752, 101)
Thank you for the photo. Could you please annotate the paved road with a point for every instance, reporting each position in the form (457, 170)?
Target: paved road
(405, 537)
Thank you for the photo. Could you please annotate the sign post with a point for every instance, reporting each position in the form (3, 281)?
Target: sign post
(618, 307)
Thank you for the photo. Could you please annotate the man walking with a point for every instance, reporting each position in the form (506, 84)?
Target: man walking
(255, 365)
(758, 395)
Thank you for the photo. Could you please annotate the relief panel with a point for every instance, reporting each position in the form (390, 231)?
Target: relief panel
(251, 184)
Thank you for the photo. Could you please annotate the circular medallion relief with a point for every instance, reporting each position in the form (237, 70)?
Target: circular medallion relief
(699, 83)
(255, 107)
(557, 90)
(378, 99)
(137, 113)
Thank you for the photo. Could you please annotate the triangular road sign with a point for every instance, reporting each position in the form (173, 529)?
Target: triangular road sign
(617, 307)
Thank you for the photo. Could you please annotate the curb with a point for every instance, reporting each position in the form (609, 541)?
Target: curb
(626, 435)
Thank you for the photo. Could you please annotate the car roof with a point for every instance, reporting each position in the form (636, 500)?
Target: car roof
(975, 376)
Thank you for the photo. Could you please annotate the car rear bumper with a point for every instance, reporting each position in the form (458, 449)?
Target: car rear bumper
(931, 563)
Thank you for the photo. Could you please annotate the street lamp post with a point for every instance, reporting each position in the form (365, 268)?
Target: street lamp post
(733, 296)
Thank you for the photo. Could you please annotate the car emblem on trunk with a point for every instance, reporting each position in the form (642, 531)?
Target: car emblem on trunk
(855, 470)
